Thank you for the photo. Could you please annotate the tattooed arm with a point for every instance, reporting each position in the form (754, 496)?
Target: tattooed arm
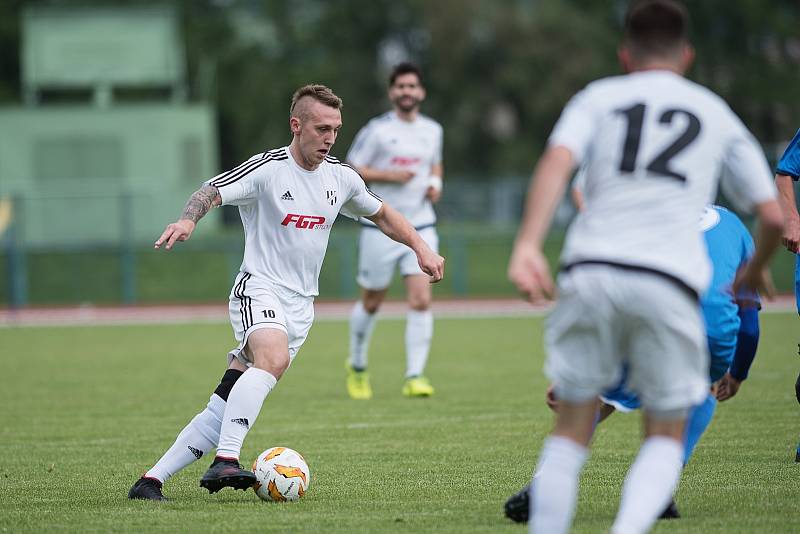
(196, 207)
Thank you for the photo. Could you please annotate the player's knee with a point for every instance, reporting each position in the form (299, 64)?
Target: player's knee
(371, 306)
(275, 364)
(372, 302)
(419, 302)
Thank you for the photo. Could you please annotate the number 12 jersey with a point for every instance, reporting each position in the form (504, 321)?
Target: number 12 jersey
(653, 146)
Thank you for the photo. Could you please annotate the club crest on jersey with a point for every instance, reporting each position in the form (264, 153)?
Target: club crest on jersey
(331, 195)
(304, 222)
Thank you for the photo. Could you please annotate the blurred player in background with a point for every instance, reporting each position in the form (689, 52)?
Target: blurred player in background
(633, 263)
(399, 155)
(732, 333)
(288, 199)
(786, 173)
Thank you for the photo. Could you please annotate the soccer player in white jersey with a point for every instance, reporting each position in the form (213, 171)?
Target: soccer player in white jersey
(634, 262)
(399, 154)
(288, 199)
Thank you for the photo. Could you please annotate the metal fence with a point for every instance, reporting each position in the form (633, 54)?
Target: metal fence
(84, 248)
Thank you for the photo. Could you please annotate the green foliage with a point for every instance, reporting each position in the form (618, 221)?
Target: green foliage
(87, 410)
(498, 72)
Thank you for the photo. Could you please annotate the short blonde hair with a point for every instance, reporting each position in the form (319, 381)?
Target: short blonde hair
(320, 93)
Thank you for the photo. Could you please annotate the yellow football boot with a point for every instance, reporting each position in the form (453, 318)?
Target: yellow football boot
(417, 386)
(358, 384)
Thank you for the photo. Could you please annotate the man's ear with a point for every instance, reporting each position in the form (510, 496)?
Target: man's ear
(295, 125)
(625, 60)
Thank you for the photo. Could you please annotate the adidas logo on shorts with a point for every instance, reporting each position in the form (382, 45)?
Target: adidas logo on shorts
(287, 196)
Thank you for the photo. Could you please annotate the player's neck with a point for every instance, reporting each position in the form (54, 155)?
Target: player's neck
(407, 116)
(301, 162)
(671, 67)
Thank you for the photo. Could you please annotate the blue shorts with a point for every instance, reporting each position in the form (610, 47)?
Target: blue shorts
(620, 397)
(721, 352)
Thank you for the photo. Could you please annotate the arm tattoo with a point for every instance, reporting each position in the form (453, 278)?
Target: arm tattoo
(200, 203)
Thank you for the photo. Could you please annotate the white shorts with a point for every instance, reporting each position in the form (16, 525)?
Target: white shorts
(607, 316)
(254, 306)
(378, 255)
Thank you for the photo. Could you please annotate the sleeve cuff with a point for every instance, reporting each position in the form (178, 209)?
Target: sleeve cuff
(793, 175)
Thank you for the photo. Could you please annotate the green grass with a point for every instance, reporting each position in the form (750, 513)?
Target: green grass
(86, 410)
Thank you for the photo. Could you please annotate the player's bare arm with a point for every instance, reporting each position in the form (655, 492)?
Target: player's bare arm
(395, 226)
(770, 230)
(371, 174)
(577, 198)
(786, 197)
(434, 192)
(528, 268)
(196, 207)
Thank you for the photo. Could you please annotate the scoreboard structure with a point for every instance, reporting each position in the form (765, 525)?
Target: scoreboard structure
(105, 147)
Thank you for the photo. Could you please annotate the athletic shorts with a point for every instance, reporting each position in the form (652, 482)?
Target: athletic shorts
(379, 255)
(620, 397)
(606, 318)
(254, 306)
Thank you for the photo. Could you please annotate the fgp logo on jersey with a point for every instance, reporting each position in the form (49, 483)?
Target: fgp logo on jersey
(303, 222)
(402, 161)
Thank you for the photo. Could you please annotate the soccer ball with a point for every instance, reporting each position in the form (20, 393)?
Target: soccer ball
(281, 475)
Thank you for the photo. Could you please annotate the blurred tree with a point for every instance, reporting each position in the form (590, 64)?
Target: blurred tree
(520, 59)
(497, 71)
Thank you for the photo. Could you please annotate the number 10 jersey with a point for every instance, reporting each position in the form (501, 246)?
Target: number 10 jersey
(654, 146)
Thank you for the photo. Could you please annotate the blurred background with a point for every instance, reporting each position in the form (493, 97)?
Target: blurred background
(112, 113)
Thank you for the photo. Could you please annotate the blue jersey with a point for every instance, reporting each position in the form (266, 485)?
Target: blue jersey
(789, 164)
(729, 246)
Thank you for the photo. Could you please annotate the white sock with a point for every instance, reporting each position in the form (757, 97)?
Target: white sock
(556, 489)
(244, 405)
(419, 332)
(198, 438)
(649, 485)
(361, 325)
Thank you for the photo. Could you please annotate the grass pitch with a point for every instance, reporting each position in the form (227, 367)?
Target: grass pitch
(86, 410)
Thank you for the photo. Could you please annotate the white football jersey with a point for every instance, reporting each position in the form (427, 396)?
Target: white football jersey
(287, 213)
(653, 146)
(389, 143)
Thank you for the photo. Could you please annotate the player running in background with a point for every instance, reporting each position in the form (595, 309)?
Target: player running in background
(633, 263)
(732, 333)
(786, 173)
(399, 154)
(288, 199)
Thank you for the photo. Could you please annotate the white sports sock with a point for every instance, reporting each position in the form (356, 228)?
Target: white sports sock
(556, 489)
(361, 325)
(419, 332)
(198, 438)
(244, 405)
(649, 485)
